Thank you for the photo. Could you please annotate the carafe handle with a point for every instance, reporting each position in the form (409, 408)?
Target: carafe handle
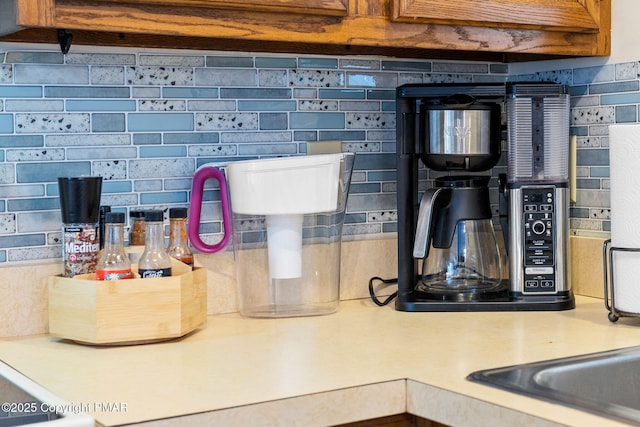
(431, 198)
(195, 207)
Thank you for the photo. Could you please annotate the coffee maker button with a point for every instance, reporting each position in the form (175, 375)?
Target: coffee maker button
(539, 227)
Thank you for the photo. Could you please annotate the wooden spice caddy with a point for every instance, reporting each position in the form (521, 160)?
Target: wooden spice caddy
(132, 311)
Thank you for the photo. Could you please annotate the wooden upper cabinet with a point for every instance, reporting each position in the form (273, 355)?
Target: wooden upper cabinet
(496, 30)
(308, 7)
(551, 15)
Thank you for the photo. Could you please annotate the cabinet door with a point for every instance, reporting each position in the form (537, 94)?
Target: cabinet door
(308, 7)
(550, 15)
(497, 30)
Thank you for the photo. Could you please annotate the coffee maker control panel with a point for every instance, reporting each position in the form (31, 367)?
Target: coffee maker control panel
(539, 234)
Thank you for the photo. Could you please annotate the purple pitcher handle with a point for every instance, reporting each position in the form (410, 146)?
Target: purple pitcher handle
(193, 226)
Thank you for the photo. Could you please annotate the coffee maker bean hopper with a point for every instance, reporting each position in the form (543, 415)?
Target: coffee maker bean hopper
(449, 258)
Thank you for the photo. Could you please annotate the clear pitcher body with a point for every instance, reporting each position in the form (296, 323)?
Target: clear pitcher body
(285, 217)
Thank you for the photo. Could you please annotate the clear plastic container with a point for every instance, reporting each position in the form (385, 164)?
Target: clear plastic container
(307, 282)
(154, 261)
(138, 226)
(178, 243)
(114, 263)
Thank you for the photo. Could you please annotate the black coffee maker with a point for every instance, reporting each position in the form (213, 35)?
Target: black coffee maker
(448, 253)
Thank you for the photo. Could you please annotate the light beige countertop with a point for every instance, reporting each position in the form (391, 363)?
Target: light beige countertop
(362, 362)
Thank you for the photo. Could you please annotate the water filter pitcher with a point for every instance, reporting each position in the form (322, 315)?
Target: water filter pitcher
(286, 217)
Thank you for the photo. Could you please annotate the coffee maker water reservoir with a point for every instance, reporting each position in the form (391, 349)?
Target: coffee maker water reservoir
(536, 191)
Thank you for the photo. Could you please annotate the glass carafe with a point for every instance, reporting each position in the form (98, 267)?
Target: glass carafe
(468, 268)
(456, 242)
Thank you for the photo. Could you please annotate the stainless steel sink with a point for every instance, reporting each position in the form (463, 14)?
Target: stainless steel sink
(25, 402)
(606, 384)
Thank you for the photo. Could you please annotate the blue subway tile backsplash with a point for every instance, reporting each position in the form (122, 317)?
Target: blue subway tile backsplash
(19, 91)
(26, 57)
(51, 74)
(145, 121)
(6, 123)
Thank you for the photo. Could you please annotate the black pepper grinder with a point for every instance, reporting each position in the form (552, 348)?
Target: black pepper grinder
(80, 211)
